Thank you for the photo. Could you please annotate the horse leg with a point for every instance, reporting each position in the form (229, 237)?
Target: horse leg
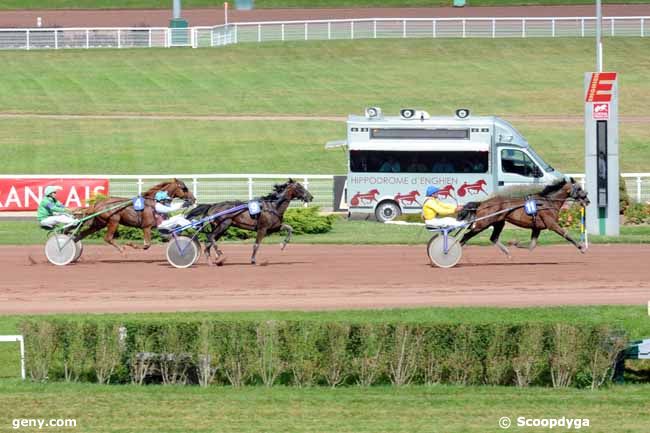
(289, 230)
(497, 228)
(258, 240)
(111, 227)
(533, 240)
(147, 240)
(551, 224)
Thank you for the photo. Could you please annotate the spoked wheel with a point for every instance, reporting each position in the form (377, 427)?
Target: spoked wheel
(60, 249)
(182, 252)
(198, 249)
(80, 250)
(437, 253)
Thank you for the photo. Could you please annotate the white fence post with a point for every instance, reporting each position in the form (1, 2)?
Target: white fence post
(464, 34)
(87, 38)
(140, 186)
(329, 30)
(250, 188)
(56, 39)
(403, 28)
(352, 30)
(283, 31)
(494, 28)
(195, 187)
(523, 28)
(119, 38)
(553, 27)
(642, 27)
(306, 32)
(259, 33)
(582, 27)
(638, 189)
(374, 29)
(433, 28)
(27, 39)
(611, 23)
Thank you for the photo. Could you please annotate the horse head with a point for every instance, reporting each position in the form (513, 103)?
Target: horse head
(175, 189)
(577, 193)
(295, 190)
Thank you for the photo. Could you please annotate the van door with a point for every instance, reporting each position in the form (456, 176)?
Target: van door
(517, 167)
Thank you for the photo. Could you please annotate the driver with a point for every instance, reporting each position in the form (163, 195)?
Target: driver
(51, 211)
(164, 207)
(437, 213)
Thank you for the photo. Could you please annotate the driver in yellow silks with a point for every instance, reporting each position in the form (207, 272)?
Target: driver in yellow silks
(437, 213)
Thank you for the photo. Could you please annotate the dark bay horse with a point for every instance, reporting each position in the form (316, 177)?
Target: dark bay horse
(549, 201)
(128, 216)
(268, 221)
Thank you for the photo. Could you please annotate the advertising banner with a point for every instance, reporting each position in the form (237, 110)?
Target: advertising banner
(21, 194)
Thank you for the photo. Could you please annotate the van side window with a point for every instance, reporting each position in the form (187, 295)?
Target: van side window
(380, 161)
(517, 162)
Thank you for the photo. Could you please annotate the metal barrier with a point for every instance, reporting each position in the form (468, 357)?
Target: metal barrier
(637, 185)
(369, 28)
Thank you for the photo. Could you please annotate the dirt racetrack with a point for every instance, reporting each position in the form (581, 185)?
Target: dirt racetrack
(309, 277)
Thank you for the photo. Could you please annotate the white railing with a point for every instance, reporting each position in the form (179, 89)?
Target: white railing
(369, 28)
(208, 188)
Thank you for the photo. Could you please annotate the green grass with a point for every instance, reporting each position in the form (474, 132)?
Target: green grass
(319, 78)
(412, 409)
(190, 146)
(325, 77)
(354, 232)
(261, 4)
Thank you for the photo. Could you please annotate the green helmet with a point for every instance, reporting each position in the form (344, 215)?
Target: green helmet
(51, 189)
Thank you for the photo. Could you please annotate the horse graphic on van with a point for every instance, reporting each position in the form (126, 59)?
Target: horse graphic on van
(409, 198)
(472, 188)
(364, 199)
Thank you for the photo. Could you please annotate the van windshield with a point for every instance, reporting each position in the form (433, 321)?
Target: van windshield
(378, 161)
(547, 167)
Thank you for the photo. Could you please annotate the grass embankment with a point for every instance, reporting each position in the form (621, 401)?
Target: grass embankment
(311, 78)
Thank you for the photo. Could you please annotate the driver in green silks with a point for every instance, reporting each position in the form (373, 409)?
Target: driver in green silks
(51, 211)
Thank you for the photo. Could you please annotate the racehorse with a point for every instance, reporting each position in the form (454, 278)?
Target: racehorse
(128, 216)
(269, 220)
(502, 208)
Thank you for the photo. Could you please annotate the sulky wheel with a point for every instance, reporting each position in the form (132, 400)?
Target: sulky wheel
(80, 250)
(197, 243)
(181, 252)
(437, 253)
(60, 249)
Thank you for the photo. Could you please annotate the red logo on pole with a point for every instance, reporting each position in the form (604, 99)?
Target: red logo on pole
(600, 111)
(600, 87)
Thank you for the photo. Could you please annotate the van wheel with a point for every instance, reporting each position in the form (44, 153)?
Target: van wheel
(387, 211)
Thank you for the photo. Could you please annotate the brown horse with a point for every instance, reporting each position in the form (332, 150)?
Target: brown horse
(128, 216)
(268, 221)
(506, 207)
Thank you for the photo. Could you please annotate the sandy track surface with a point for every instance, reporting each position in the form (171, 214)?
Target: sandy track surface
(312, 277)
(215, 16)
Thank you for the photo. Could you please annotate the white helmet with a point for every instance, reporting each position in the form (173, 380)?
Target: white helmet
(51, 189)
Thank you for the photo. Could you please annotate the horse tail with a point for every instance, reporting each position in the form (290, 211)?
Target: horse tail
(469, 210)
(199, 211)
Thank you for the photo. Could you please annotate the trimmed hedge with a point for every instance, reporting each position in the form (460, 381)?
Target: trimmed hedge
(308, 353)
